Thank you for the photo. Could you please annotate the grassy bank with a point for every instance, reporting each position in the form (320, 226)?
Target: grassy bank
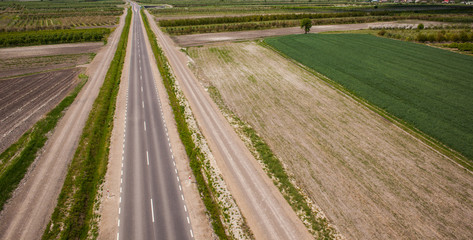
(15, 160)
(73, 214)
(193, 152)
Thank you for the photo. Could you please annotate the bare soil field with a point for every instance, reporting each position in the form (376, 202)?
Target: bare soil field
(20, 66)
(50, 50)
(369, 177)
(50, 72)
(24, 100)
(208, 38)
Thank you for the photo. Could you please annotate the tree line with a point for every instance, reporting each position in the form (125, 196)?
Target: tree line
(11, 39)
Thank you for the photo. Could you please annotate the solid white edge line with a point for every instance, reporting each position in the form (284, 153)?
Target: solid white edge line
(152, 210)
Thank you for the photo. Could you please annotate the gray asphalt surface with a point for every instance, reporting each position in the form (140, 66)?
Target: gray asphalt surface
(268, 214)
(152, 205)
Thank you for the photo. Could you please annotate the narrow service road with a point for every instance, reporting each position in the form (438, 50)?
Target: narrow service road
(152, 205)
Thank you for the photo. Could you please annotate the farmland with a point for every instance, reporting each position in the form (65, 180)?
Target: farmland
(192, 23)
(32, 16)
(410, 81)
(370, 178)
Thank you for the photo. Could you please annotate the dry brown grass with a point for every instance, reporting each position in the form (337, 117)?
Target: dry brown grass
(372, 180)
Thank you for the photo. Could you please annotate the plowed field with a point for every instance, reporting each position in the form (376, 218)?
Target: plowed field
(24, 100)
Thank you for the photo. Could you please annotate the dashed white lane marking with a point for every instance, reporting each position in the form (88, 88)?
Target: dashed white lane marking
(188, 221)
(178, 178)
(118, 236)
(152, 210)
(141, 89)
(147, 158)
(180, 189)
(144, 124)
(119, 222)
(142, 104)
(192, 234)
(185, 208)
(182, 196)
(175, 170)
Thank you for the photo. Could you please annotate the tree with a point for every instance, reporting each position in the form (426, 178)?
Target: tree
(306, 24)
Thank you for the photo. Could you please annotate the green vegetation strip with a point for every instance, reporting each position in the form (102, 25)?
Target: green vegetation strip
(275, 170)
(72, 218)
(14, 39)
(424, 89)
(15, 160)
(193, 152)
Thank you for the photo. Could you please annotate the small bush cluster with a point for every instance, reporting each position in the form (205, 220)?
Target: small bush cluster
(443, 36)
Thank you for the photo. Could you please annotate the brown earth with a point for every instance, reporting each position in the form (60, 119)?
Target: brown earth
(24, 100)
(50, 50)
(21, 66)
(371, 179)
(208, 38)
(50, 73)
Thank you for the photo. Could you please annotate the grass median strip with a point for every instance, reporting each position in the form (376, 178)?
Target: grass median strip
(193, 152)
(15, 160)
(72, 218)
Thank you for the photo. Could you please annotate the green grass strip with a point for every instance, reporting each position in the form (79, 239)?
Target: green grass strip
(193, 152)
(72, 218)
(15, 160)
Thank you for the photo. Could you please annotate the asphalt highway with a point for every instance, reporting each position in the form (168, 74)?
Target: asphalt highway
(152, 205)
(268, 214)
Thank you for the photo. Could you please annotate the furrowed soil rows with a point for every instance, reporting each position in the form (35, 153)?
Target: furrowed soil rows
(24, 100)
(371, 179)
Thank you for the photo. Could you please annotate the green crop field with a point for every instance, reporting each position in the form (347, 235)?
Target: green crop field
(428, 88)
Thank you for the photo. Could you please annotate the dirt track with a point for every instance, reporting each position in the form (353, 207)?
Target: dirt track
(24, 100)
(207, 38)
(372, 180)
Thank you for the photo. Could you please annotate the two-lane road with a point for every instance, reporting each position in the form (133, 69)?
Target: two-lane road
(152, 205)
